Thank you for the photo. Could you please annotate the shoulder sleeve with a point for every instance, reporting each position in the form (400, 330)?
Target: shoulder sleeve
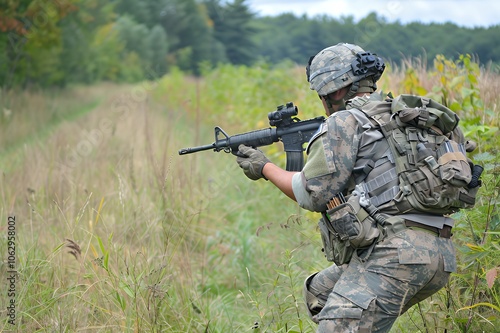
(331, 158)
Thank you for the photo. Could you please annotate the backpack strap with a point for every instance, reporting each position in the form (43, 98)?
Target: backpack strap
(429, 171)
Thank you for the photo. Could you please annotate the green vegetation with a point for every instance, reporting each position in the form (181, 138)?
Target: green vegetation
(64, 42)
(115, 232)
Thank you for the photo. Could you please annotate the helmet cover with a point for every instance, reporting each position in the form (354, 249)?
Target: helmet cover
(340, 65)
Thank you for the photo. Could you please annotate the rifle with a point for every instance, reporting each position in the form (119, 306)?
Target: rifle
(287, 128)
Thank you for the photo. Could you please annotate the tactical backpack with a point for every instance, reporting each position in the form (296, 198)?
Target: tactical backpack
(421, 167)
(429, 155)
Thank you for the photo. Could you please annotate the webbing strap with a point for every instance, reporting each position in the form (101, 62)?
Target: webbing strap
(384, 197)
(381, 180)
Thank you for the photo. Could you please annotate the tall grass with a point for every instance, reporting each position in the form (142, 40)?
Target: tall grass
(116, 232)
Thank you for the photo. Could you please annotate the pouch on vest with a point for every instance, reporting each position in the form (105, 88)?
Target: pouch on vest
(433, 170)
(346, 228)
(437, 171)
(336, 249)
(453, 166)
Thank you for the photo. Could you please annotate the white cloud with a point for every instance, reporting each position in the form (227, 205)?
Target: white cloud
(467, 13)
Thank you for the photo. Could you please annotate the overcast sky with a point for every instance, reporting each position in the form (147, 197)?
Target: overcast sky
(468, 13)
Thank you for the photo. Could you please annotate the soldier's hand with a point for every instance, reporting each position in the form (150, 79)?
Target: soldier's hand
(252, 162)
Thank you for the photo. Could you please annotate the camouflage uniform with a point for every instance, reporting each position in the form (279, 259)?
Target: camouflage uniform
(371, 180)
(409, 265)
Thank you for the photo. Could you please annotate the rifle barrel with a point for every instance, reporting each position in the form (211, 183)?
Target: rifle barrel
(185, 151)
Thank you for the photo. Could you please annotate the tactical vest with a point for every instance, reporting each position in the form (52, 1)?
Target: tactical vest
(422, 164)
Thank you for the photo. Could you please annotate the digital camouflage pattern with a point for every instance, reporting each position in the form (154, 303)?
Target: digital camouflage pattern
(340, 66)
(406, 264)
(334, 152)
(330, 70)
(404, 269)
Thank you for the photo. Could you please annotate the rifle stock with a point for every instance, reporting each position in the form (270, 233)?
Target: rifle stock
(286, 128)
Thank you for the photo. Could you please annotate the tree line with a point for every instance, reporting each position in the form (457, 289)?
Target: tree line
(60, 42)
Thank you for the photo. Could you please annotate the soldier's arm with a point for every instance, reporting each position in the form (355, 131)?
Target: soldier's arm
(331, 158)
(282, 179)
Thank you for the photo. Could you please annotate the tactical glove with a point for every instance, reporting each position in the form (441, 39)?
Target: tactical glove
(252, 162)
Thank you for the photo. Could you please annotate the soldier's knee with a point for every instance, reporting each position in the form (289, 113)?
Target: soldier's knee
(317, 288)
(313, 304)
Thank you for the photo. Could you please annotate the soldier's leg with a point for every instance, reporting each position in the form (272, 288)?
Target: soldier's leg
(317, 288)
(447, 265)
(369, 296)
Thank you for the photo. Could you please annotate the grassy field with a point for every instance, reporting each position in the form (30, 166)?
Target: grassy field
(115, 232)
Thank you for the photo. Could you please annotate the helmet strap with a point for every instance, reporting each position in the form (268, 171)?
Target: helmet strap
(333, 105)
(353, 90)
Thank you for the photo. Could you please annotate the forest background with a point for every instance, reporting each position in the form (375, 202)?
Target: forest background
(105, 228)
(59, 42)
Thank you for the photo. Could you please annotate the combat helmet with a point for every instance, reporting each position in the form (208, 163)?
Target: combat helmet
(341, 65)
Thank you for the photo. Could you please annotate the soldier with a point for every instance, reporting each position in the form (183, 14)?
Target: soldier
(400, 255)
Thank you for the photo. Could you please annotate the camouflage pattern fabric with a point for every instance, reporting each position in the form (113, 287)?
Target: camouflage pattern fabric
(334, 152)
(404, 269)
(325, 77)
(341, 65)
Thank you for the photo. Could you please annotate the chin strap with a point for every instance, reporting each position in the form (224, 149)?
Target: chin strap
(330, 102)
